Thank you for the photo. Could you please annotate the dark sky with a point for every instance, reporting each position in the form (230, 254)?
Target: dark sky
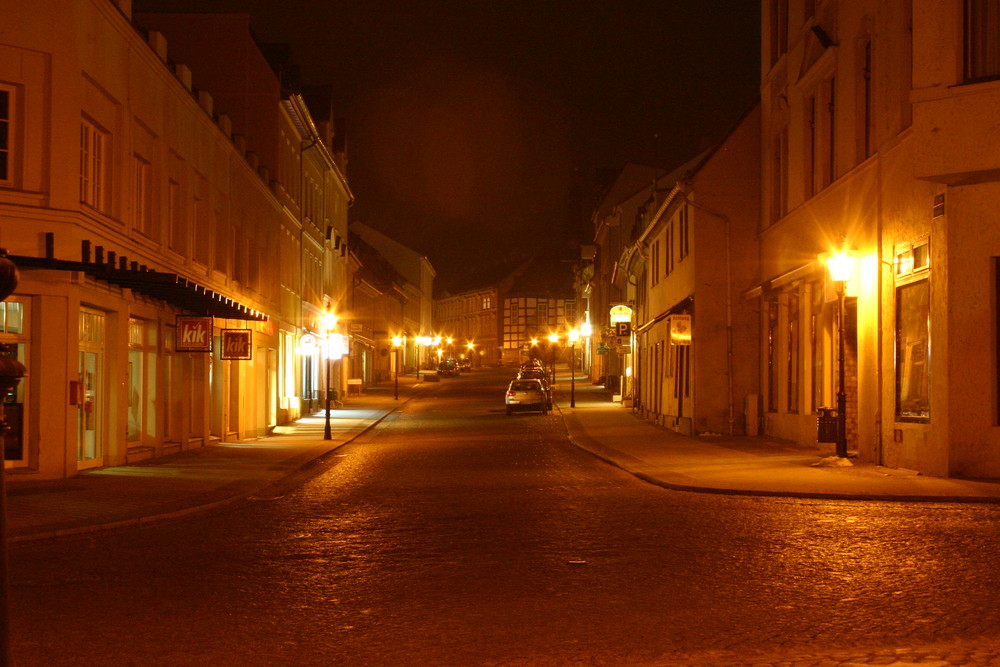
(476, 127)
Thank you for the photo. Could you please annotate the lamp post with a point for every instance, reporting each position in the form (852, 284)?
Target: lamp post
(841, 265)
(574, 335)
(11, 372)
(397, 342)
(328, 322)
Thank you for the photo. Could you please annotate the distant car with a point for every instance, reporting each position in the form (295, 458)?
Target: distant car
(532, 363)
(529, 395)
(447, 367)
(464, 365)
(529, 373)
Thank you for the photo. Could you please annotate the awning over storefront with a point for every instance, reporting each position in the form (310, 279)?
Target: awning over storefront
(806, 271)
(170, 288)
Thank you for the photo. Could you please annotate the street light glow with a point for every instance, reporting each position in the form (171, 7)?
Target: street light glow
(841, 266)
(328, 321)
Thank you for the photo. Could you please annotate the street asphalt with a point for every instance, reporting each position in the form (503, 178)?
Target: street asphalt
(209, 477)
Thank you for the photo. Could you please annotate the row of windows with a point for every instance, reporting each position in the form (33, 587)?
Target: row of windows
(981, 20)
(524, 318)
(818, 109)
(674, 247)
(785, 345)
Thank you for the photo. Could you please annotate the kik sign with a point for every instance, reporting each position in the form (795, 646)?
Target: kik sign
(194, 334)
(237, 344)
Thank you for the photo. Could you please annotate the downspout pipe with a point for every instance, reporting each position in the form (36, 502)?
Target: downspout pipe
(685, 192)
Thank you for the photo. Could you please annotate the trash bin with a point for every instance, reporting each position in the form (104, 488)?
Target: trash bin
(827, 425)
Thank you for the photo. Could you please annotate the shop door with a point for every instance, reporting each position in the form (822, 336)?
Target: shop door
(90, 448)
(90, 390)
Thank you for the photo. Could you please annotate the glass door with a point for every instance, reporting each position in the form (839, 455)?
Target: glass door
(90, 446)
(90, 390)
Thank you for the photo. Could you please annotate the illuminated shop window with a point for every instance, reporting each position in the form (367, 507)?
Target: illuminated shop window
(913, 351)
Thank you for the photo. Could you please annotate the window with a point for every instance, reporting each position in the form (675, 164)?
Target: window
(141, 195)
(12, 317)
(825, 157)
(779, 29)
(793, 353)
(5, 135)
(654, 268)
(864, 101)
(809, 161)
(913, 351)
(779, 174)
(175, 218)
(682, 242)
(543, 313)
(93, 165)
(982, 40)
(772, 351)
(668, 251)
(570, 307)
(221, 242)
(201, 248)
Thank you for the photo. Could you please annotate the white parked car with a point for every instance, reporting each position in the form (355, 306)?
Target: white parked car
(527, 394)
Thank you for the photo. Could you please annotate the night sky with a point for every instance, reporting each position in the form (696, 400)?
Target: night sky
(476, 130)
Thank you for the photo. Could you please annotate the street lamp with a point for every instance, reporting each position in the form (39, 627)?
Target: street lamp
(574, 335)
(397, 342)
(841, 266)
(328, 322)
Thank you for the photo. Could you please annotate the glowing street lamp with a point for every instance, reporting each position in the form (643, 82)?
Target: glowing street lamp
(573, 335)
(328, 323)
(841, 266)
(397, 343)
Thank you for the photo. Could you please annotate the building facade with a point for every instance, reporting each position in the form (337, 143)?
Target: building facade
(417, 284)
(171, 258)
(469, 318)
(692, 260)
(878, 142)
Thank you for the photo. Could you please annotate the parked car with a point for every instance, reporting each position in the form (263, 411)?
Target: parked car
(464, 365)
(532, 363)
(527, 395)
(532, 373)
(447, 367)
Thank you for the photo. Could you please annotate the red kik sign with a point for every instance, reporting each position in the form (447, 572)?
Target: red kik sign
(194, 334)
(237, 344)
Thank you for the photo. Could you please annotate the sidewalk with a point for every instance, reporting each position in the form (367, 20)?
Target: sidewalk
(193, 481)
(741, 465)
(216, 475)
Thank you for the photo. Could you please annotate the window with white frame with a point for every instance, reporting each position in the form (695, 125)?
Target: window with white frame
(913, 351)
(94, 145)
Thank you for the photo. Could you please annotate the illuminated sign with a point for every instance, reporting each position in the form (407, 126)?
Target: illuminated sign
(620, 314)
(307, 344)
(237, 344)
(194, 334)
(680, 329)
